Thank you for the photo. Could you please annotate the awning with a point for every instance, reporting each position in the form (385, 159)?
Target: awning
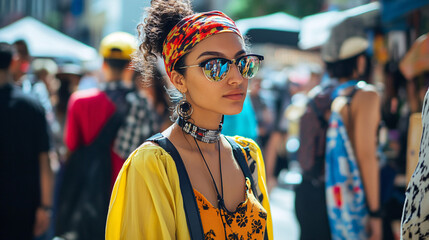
(277, 28)
(316, 29)
(44, 41)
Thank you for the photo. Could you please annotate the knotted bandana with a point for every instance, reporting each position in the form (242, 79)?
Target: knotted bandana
(192, 30)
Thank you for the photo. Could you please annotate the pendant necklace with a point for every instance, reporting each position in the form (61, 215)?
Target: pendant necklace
(220, 200)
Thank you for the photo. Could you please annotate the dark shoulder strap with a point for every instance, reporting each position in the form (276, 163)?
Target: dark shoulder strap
(191, 208)
(239, 156)
(349, 100)
(109, 130)
(319, 114)
(352, 93)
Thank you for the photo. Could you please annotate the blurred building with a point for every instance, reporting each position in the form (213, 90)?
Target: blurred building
(87, 20)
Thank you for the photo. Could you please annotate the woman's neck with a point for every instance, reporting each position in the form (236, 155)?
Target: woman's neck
(207, 120)
(184, 140)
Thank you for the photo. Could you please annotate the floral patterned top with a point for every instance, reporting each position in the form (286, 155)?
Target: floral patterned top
(246, 222)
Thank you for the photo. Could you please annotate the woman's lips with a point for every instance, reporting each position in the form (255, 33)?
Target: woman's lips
(234, 96)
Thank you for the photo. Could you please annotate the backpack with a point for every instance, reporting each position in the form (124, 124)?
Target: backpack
(312, 133)
(345, 195)
(310, 200)
(83, 196)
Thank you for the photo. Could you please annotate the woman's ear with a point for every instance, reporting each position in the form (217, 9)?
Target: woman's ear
(178, 81)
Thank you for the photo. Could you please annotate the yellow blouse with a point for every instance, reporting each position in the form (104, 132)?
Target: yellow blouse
(146, 201)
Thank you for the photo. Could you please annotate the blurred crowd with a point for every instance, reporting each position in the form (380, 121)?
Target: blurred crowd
(108, 112)
(279, 115)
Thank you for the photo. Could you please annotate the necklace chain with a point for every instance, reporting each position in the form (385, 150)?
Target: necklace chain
(221, 202)
(219, 196)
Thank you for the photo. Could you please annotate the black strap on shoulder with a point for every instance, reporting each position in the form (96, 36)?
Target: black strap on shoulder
(191, 208)
(320, 117)
(238, 155)
(352, 93)
(109, 130)
(349, 100)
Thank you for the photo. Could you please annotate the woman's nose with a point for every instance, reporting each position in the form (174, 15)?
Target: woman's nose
(234, 76)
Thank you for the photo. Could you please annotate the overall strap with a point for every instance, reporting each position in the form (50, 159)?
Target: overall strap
(239, 156)
(191, 208)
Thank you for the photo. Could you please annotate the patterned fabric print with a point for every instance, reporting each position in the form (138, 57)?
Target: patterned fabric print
(139, 118)
(345, 196)
(246, 222)
(415, 216)
(246, 148)
(192, 30)
(140, 123)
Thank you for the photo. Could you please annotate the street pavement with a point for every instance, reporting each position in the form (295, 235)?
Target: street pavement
(282, 197)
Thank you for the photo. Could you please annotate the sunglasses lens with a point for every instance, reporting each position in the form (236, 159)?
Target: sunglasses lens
(249, 66)
(216, 69)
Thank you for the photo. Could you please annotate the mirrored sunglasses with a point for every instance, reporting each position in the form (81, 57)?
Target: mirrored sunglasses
(216, 69)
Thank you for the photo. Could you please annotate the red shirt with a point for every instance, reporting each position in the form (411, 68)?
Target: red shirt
(88, 111)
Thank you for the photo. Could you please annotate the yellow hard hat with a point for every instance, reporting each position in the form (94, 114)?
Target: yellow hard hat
(118, 45)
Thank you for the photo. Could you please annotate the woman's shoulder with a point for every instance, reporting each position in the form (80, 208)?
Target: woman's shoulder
(243, 141)
(367, 97)
(149, 155)
(367, 91)
(247, 142)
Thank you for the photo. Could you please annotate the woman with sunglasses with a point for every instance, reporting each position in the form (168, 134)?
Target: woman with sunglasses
(206, 60)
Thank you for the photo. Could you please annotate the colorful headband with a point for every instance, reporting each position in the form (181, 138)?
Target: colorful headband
(192, 30)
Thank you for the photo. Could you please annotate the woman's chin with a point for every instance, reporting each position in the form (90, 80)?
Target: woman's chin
(233, 111)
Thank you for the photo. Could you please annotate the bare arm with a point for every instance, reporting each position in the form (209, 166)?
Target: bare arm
(366, 122)
(46, 179)
(270, 158)
(46, 188)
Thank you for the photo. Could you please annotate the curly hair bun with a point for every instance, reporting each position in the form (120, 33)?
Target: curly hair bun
(162, 16)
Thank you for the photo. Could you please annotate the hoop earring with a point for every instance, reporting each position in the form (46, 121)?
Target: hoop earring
(184, 108)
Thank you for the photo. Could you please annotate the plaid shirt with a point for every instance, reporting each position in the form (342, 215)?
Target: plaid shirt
(140, 119)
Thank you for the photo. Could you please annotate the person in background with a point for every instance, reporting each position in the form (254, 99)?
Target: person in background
(68, 78)
(26, 176)
(414, 224)
(414, 67)
(208, 64)
(39, 83)
(116, 110)
(277, 155)
(352, 171)
(310, 199)
(88, 110)
(264, 114)
(22, 64)
(154, 86)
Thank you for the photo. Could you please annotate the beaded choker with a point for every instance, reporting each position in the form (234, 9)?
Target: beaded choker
(201, 134)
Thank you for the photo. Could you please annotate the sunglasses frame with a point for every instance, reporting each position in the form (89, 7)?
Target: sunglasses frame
(232, 61)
